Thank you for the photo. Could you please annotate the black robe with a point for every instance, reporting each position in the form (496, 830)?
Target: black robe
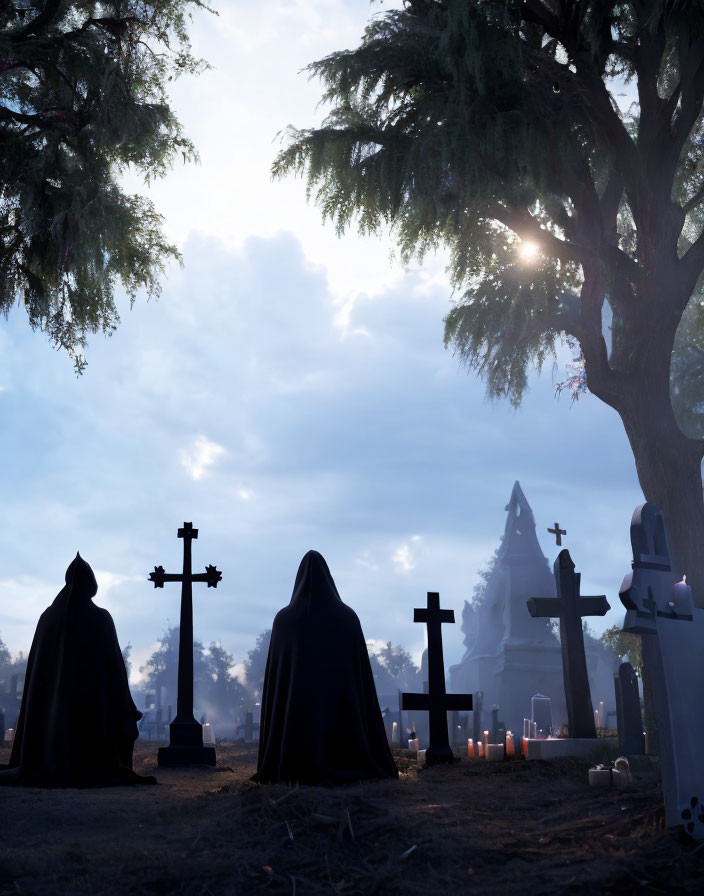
(320, 720)
(77, 723)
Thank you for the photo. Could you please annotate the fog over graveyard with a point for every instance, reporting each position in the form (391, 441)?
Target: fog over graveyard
(289, 391)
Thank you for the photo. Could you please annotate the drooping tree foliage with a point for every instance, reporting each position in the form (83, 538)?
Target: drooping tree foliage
(82, 100)
(488, 125)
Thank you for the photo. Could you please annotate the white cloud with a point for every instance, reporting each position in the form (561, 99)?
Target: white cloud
(199, 456)
(245, 494)
(403, 559)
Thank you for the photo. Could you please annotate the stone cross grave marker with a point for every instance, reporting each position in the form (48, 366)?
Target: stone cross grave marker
(570, 608)
(558, 533)
(631, 739)
(673, 634)
(186, 735)
(437, 703)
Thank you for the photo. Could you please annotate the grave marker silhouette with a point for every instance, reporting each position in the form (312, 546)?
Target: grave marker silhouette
(558, 533)
(569, 607)
(185, 733)
(437, 703)
(673, 633)
(631, 739)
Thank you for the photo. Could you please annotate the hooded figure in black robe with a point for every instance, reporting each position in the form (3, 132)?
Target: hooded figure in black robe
(77, 723)
(320, 720)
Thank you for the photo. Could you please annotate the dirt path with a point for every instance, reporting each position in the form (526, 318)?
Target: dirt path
(495, 828)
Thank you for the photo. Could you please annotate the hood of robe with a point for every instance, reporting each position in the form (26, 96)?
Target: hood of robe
(314, 587)
(80, 586)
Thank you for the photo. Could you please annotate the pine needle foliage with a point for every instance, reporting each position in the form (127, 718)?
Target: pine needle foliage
(484, 124)
(83, 100)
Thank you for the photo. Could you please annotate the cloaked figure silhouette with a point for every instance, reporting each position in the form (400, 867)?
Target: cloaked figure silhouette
(77, 723)
(320, 722)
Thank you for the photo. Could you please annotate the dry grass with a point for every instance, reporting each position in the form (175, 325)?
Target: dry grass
(509, 828)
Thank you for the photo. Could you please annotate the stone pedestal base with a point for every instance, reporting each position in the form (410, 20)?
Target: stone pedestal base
(550, 748)
(435, 756)
(186, 755)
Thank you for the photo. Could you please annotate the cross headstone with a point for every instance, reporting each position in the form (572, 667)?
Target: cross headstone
(186, 735)
(558, 533)
(673, 633)
(436, 702)
(631, 740)
(569, 607)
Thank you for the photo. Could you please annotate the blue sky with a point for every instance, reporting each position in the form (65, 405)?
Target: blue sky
(290, 390)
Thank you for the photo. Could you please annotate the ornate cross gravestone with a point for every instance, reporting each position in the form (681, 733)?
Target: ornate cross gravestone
(437, 703)
(673, 633)
(558, 533)
(570, 608)
(629, 720)
(186, 735)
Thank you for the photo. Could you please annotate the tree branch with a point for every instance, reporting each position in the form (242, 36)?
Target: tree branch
(522, 223)
(694, 201)
(48, 12)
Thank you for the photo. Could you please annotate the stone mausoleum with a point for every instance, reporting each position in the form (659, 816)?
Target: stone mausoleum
(510, 655)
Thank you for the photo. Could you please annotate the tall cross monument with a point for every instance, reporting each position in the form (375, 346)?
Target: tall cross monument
(436, 702)
(569, 607)
(186, 734)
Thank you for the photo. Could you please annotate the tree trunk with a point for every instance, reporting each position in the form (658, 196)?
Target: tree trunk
(669, 471)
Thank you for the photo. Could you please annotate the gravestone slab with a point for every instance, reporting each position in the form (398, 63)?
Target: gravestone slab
(541, 713)
(631, 740)
(673, 634)
(477, 703)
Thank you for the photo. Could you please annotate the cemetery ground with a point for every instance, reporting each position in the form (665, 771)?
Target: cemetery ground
(474, 827)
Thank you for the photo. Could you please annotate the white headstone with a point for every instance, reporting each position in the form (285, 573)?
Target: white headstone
(541, 713)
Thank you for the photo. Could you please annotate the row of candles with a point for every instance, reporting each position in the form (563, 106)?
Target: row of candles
(484, 750)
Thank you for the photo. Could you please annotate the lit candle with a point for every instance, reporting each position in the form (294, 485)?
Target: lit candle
(524, 741)
(480, 749)
(395, 737)
(510, 752)
(485, 741)
(681, 602)
(526, 727)
(470, 749)
(596, 718)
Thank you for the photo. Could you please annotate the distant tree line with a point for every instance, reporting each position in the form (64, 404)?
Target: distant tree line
(222, 694)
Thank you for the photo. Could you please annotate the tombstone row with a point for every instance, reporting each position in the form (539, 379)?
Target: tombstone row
(303, 698)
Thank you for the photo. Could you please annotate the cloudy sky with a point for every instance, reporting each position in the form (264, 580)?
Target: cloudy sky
(289, 391)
